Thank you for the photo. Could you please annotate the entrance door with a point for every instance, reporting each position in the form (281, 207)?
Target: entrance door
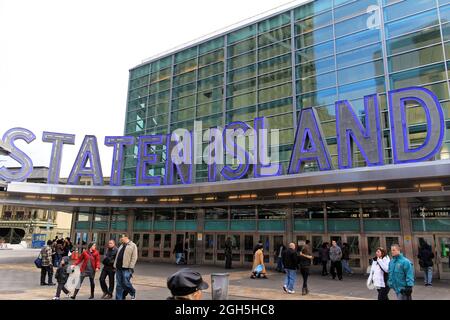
(214, 248)
(353, 240)
(189, 247)
(443, 256)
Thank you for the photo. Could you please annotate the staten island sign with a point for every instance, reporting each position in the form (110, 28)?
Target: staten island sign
(226, 154)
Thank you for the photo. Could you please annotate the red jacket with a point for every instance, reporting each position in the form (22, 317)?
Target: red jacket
(95, 260)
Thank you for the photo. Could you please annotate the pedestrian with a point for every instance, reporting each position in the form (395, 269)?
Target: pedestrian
(186, 251)
(258, 245)
(426, 257)
(90, 263)
(126, 259)
(324, 256)
(59, 251)
(68, 247)
(47, 264)
(228, 253)
(186, 284)
(290, 262)
(380, 273)
(335, 257)
(108, 270)
(279, 257)
(305, 259)
(258, 268)
(345, 258)
(179, 251)
(401, 274)
(61, 276)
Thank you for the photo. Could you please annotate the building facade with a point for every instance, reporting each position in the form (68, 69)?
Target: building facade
(311, 55)
(26, 223)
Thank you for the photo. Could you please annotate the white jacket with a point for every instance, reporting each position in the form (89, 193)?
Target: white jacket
(378, 274)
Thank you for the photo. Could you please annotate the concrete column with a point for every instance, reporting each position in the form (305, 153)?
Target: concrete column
(325, 223)
(289, 225)
(363, 248)
(199, 244)
(130, 224)
(406, 229)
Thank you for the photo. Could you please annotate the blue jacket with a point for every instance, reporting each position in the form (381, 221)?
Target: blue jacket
(401, 273)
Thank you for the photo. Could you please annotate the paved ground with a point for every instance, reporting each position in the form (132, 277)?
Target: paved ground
(19, 279)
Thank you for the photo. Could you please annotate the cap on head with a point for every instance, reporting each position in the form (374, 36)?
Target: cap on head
(185, 282)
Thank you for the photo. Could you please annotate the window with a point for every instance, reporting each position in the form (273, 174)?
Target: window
(315, 52)
(357, 40)
(216, 213)
(274, 93)
(241, 47)
(243, 212)
(272, 212)
(274, 36)
(410, 24)
(312, 23)
(361, 72)
(416, 58)
(407, 7)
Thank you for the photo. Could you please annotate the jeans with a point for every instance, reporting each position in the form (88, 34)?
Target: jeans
(383, 293)
(47, 270)
(280, 266)
(336, 266)
(123, 284)
(178, 257)
(428, 271)
(346, 266)
(305, 275)
(61, 288)
(289, 279)
(58, 258)
(110, 274)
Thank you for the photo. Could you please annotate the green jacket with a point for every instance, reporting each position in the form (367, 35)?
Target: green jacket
(401, 273)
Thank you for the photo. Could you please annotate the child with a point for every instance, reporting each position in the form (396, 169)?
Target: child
(62, 274)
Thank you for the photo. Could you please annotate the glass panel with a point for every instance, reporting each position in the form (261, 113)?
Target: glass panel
(241, 101)
(313, 22)
(352, 8)
(241, 47)
(167, 241)
(243, 212)
(274, 78)
(315, 67)
(242, 73)
(145, 240)
(211, 45)
(209, 108)
(369, 53)
(416, 77)
(216, 213)
(274, 22)
(315, 52)
(314, 37)
(241, 87)
(210, 58)
(407, 7)
(316, 82)
(221, 241)
(415, 40)
(361, 72)
(272, 212)
(242, 60)
(186, 54)
(323, 97)
(373, 244)
(274, 50)
(416, 58)
(274, 93)
(357, 40)
(312, 8)
(419, 21)
(274, 64)
(242, 34)
(274, 36)
(248, 242)
(353, 242)
(210, 70)
(352, 25)
(361, 89)
(275, 107)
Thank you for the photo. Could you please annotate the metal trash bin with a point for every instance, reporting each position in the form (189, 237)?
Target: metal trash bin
(219, 286)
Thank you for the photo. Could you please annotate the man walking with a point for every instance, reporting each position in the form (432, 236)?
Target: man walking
(335, 257)
(290, 261)
(179, 251)
(346, 258)
(47, 264)
(126, 259)
(401, 274)
(108, 270)
(279, 257)
(228, 253)
(426, 256)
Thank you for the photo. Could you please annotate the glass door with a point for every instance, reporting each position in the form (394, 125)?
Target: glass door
(249, 244)
(443, 252)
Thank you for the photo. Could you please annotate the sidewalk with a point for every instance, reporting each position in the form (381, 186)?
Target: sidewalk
(21, 281)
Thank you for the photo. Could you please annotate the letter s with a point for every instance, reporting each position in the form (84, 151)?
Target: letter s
(15, 153)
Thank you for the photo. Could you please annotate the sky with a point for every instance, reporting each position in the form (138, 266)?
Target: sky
(64, 64)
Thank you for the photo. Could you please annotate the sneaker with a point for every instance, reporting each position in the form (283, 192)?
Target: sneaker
(290, 291)
(52, 284)
(108, 296)
(91, 298)
(133, 297)
(44, 284)
(285, 289)
(56, 298)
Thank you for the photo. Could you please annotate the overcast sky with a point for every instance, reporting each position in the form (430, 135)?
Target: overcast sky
(64, 64)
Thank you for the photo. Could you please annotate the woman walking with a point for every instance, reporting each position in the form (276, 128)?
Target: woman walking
(305, 259)
(90, 260)
(380, 269)
(258, 269)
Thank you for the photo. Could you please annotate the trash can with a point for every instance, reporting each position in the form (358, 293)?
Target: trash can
(219, 286)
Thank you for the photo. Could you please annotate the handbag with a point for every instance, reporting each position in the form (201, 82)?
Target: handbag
(370, 284)
(38, 261)
(259, 268)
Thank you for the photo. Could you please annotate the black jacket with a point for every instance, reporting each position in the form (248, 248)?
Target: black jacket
(345, 253)
(290, 259)
(109, 258)
(425, 256)
(304, 262)
(62, 274)
(179, 248)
